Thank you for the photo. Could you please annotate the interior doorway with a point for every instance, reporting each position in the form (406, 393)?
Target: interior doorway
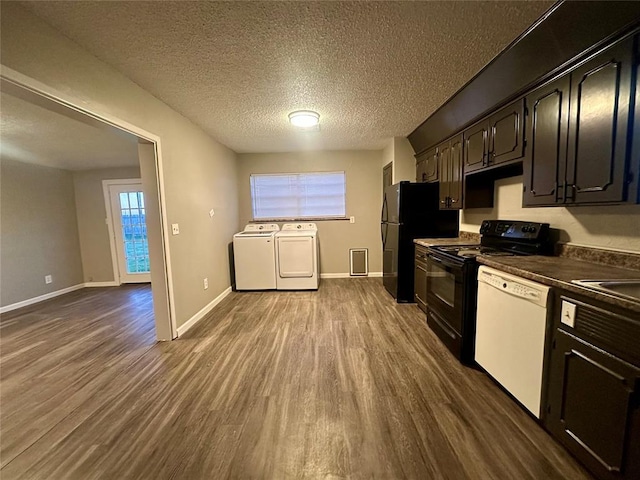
(387, 175)
(126, 220)
(150, 161)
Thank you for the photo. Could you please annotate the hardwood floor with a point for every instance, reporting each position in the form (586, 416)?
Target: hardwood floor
(339, 383)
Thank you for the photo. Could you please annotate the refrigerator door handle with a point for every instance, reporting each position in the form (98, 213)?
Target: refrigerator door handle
(383, 214)
(383, 234)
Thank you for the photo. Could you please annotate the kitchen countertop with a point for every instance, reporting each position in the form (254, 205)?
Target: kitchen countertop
(428, 242)
(559, 271)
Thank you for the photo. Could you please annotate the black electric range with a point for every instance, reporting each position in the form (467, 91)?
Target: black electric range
(452, 277)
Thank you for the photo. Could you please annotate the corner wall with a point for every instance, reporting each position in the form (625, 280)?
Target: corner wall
(38, 232)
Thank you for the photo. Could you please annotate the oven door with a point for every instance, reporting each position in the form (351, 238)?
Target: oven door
(445, 298)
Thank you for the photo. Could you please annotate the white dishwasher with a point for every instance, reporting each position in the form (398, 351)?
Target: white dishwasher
(510, 333)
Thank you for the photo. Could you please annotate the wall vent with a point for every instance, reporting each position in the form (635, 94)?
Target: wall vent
(359, 262)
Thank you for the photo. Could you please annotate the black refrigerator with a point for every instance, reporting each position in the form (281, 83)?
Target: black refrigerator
(409, 211)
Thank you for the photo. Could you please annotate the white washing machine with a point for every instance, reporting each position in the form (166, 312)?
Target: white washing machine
(254, 255)
(297, 257)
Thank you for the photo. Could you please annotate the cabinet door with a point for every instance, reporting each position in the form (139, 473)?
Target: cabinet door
(475, 147)
(545, 160)
(599, 127)
(506, 131)
(421, 174)
(444, 154)
(432, 170)
(593, 407)
(455, 173)
(420, 278)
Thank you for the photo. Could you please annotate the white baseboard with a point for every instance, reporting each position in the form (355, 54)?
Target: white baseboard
(182, 329)
(347, 275)
(40, 298)
(111, 283)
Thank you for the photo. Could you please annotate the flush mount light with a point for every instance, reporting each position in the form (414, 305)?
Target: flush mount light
(304, 118)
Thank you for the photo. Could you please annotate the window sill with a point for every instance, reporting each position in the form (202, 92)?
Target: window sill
(300, 220)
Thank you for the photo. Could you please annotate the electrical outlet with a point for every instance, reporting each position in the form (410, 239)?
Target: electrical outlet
(175, 229)
(568, 313)
(48, 279)
(206, 283)
(352, 219)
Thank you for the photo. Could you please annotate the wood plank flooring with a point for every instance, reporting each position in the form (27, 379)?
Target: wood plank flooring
(339, 383)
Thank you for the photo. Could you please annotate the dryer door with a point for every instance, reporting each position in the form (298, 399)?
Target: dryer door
(295, 257)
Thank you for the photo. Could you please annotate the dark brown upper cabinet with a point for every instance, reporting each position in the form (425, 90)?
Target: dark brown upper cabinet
(427, 166)
(546, 153)
(578, 131)
(450, 157)
(599, 127)
(499, 139)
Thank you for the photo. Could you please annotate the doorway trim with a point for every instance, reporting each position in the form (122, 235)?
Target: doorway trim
(109, 220)
(17, 82)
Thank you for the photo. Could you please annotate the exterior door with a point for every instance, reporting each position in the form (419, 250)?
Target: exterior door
(128, 218)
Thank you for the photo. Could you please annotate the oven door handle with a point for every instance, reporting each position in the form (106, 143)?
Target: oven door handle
(442, 262)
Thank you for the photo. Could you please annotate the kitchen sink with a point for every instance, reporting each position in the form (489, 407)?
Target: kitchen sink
(623, 288)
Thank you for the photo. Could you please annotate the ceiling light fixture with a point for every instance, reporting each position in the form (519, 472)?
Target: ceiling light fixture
(304, 118)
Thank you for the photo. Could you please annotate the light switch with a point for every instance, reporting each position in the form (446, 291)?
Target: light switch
(568, 314)
(211, 213)
(175, 229)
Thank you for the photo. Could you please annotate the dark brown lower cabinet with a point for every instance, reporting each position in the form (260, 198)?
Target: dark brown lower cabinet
(420, 278)
(593, 402)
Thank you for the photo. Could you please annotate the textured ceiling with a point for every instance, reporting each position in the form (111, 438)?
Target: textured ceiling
(33, 134)
(373, 70)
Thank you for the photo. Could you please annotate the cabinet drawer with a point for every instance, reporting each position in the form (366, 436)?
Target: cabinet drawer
(613, 332)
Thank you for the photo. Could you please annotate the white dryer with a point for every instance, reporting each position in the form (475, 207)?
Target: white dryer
(254, 255)
(297, 257)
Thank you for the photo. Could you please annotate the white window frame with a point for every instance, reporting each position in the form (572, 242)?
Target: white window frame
(297, 218)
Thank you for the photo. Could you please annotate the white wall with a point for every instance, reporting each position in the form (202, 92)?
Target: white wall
(614, 226)
(399, 153)
(404, 163)
(39, 234)
(95, 248)
(199, 172)
(364, 200)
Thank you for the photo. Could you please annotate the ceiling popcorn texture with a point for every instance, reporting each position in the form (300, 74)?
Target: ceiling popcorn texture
(33, 134)
(372, 70)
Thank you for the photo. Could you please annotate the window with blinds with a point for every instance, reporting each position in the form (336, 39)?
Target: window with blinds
(289, 196)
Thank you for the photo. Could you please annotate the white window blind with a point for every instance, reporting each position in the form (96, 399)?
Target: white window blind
(298, 195)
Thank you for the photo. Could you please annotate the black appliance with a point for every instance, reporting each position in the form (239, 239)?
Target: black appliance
(409, 211)
(452, 284)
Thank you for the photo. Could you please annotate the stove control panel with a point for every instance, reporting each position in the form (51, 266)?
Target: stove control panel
(516, 230)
